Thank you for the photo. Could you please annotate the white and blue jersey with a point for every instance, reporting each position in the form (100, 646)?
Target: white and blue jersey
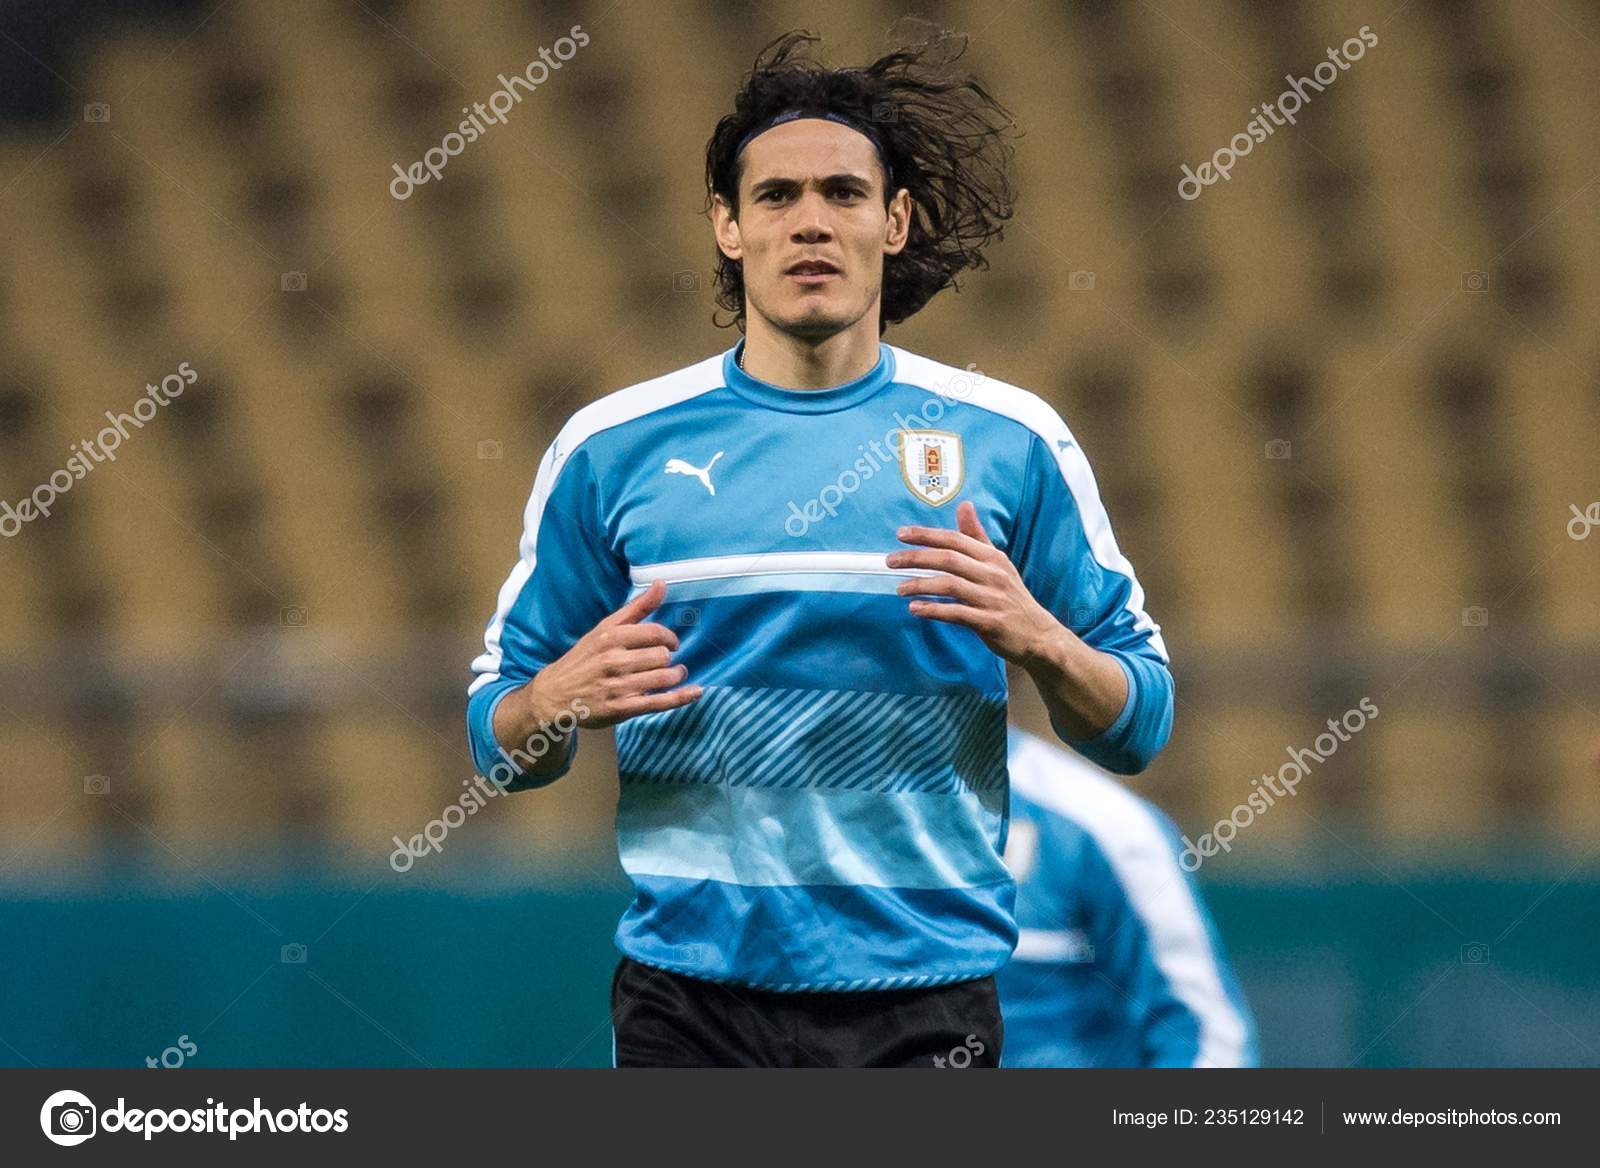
(1117, 962)
(830, 813)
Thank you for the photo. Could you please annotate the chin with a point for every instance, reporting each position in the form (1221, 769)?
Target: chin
(817, 321)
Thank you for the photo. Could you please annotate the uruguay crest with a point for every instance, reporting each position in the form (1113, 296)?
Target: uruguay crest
(931, 464)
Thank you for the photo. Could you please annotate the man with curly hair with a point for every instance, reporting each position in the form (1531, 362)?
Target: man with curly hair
(746, 567)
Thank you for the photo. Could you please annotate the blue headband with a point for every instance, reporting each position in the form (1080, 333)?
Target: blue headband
(845, 120)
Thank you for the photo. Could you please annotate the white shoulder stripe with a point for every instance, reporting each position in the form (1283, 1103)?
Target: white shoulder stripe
(614, 409)
(1040, 416)
(1136, 846)
(635, 401)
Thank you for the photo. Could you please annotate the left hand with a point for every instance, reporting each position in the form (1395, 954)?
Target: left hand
(986, 592)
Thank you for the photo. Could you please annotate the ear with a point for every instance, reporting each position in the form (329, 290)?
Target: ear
(726, 228)
(898, 229)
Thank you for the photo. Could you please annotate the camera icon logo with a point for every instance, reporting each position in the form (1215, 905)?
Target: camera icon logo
(1279, 448)
(689, 954)
(1474, 281)
(686, 281)
(490, 449)
(97, 111)
(96, 784)
(292, 617)
(292, 954)
(1476, 953)
(1476, 617)
(67, 1118)
(1080, 281)
(292, 281)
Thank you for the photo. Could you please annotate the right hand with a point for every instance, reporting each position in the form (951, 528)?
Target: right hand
(614, 671)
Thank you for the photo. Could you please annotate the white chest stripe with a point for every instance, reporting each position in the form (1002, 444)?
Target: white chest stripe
(773, 564)
(1053, 945)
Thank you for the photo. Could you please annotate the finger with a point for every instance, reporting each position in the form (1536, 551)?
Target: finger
(952, 586)
(672, 699)
(626, 662)
(654, 679)
(954, 614)
(967, 521)
(939, 560)
(645, 635)
(642, 660)
(945, 537)
(640, 606)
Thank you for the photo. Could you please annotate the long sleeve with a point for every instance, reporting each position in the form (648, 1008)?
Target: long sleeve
(565, 581)
(1068, 558)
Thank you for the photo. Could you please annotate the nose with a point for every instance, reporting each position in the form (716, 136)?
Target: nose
(811, 219)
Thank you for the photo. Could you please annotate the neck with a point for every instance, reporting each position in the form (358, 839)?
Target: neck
(792, 362)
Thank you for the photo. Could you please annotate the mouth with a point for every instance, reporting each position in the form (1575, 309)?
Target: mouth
(811, 271)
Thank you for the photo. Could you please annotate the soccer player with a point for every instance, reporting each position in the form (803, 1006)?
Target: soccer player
(751, 569)
(1117, 962)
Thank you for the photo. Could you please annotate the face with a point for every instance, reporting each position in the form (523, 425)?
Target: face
(812, 230)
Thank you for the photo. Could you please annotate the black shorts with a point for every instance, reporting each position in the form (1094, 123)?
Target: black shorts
(663, 1019)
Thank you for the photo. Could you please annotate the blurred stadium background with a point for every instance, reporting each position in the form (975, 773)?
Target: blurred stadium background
(1342, 407)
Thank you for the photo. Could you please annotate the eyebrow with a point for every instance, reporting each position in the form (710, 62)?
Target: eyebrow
(780, 182)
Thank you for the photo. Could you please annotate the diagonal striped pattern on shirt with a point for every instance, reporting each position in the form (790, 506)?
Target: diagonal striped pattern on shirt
(839, 739)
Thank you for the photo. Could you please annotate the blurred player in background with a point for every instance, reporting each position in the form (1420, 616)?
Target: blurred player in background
(1117, 962)
(812, 766)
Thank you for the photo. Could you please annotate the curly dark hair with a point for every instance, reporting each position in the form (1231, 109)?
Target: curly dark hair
(944, 137)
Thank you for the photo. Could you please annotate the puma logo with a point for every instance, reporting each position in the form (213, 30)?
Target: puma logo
(703, 473)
